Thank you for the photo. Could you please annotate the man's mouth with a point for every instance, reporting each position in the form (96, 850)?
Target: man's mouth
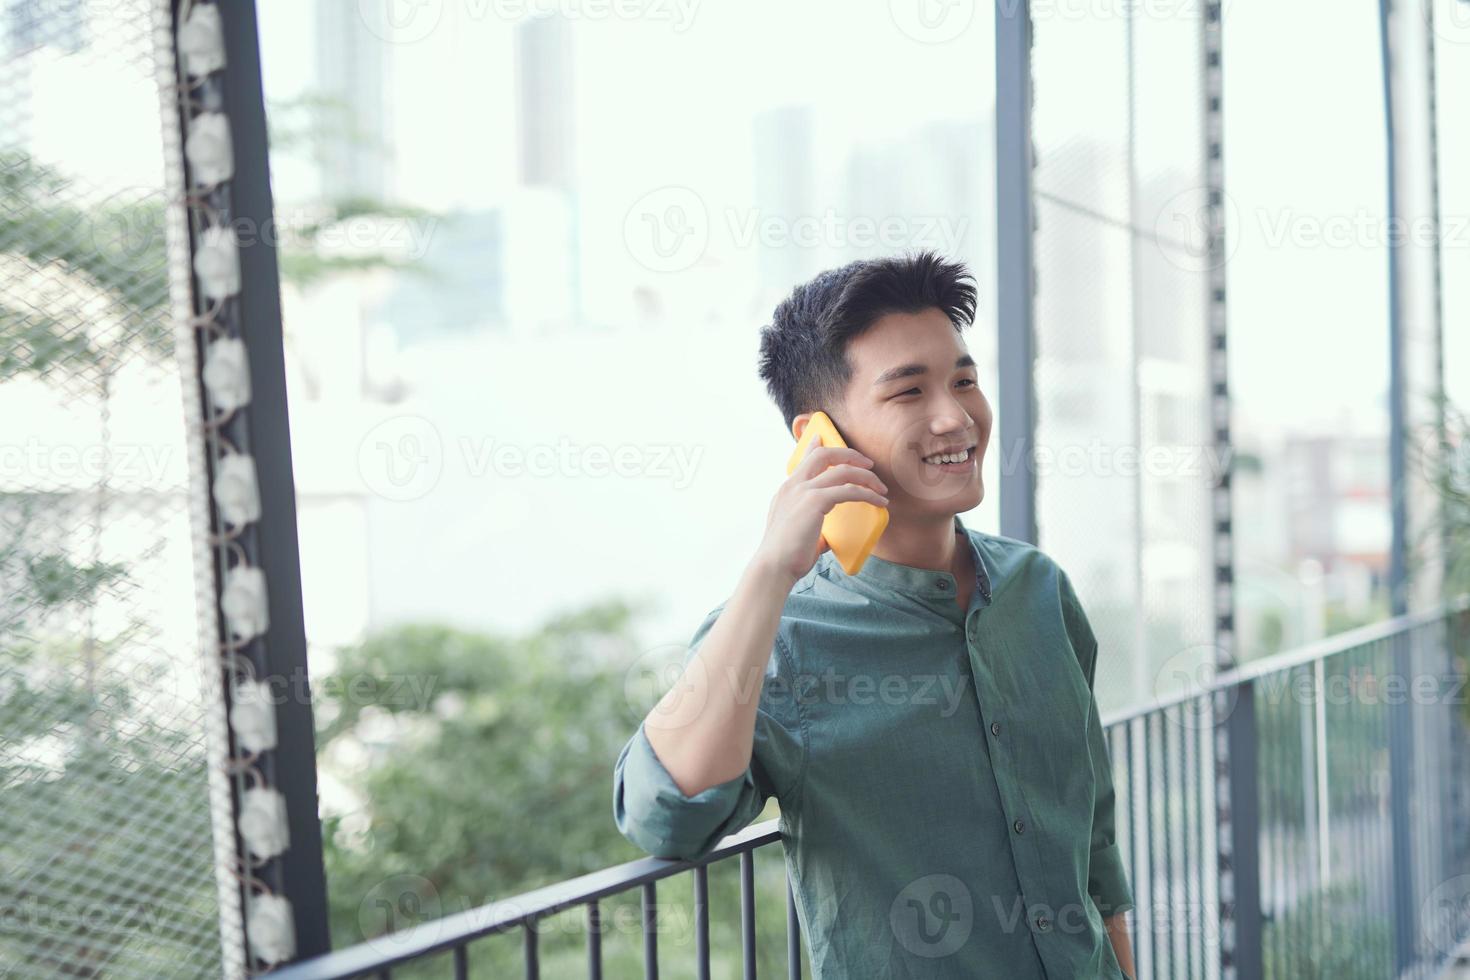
(953, 460)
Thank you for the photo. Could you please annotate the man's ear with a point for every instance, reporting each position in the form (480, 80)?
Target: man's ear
(798, 424)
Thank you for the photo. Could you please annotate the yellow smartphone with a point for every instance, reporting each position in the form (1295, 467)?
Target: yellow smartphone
(853, 527)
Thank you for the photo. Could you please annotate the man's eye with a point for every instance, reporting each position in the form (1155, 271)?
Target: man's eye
(967, 381)
(911, 391)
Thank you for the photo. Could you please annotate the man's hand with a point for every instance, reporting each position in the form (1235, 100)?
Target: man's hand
(1117, 926)
(825, 477)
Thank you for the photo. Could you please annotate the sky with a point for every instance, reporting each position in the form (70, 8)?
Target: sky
(666, 97)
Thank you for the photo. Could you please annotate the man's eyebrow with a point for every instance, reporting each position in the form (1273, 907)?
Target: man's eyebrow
(909, 370)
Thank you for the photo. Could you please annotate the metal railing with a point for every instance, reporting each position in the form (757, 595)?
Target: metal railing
(1347, 756)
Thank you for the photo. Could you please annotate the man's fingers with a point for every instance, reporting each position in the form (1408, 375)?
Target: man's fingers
(829, 497)
(818, 459)
(848, 473)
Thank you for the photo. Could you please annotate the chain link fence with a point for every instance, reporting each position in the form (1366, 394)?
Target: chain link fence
(106, 854)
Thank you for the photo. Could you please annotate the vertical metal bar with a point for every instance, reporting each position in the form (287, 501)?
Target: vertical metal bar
(532, 951)
(747, 912)
(701, 921)
(1428, 735)
(1379, 900)
(1286, 822)
(594, 940)
(1169, 904)
(1206, 780)
(1279, 819)
(1243, 817)
(1401, 779)
(1190, 861)
(1212, 93)
(1015, 282)
(1141, 660)
(1324, 803)
(1134, 796)
(1153, 877)
(1423, 782)
(293, 773)
(1347, 814)
(1436, 210)
(462, 963)
(1445, 705)
(1274, 819)
(1294, 850)
(1350, 723)
(793, 933)
(650, 936)
(1382, 882)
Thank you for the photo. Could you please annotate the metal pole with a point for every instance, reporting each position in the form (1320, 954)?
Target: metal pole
(1400, 728)
(1241, 866)
(1238, 883)
(1015, 283)
(294, 774)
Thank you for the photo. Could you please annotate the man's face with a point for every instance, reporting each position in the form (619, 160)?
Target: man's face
(914, 393)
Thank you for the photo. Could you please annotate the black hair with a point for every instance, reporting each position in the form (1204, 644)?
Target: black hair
(803, 357)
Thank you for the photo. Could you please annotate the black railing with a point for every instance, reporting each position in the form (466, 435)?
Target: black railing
(1324, 738)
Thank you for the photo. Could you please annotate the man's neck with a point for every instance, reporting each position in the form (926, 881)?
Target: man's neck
(927, 543)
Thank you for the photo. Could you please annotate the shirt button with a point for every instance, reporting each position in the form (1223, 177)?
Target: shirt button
(995, 728)
(941, 583)
(1020, 826)
(1043, 923)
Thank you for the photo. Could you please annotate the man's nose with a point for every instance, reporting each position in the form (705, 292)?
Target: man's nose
(952, 419)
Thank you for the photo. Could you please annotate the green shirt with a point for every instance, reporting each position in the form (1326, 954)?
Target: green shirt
(945, 790)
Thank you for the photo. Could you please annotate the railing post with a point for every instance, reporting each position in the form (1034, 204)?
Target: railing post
(1401, 785)
(1241, 866)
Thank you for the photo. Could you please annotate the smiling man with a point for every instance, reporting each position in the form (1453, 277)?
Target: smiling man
(928, 834)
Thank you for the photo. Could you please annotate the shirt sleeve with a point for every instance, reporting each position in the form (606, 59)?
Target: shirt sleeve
(651, 811)
(1107, 879)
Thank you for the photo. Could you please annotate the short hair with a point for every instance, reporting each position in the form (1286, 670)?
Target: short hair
(803, 350)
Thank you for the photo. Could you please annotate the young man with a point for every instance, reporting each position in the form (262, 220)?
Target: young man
(928, 724)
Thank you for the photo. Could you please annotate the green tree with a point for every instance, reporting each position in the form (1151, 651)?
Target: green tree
(88, 771)
(481, 767)
(89, 775)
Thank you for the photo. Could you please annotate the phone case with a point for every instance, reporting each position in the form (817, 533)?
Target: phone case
(853, 527)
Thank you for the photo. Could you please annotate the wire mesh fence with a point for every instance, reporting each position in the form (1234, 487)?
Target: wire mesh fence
(106, 855)
(1125, 461)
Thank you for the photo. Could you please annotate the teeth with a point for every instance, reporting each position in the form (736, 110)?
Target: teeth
(948, 457)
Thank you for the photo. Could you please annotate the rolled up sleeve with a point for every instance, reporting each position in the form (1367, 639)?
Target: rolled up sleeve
(653, 813)
(1107, 879)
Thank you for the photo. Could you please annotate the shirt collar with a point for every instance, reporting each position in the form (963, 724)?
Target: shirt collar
(924, 581)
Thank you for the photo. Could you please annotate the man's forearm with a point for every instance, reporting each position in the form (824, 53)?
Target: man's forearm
(703, 728)
(1117, 926)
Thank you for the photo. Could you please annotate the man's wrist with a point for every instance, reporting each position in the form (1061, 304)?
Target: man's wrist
(767, 574)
